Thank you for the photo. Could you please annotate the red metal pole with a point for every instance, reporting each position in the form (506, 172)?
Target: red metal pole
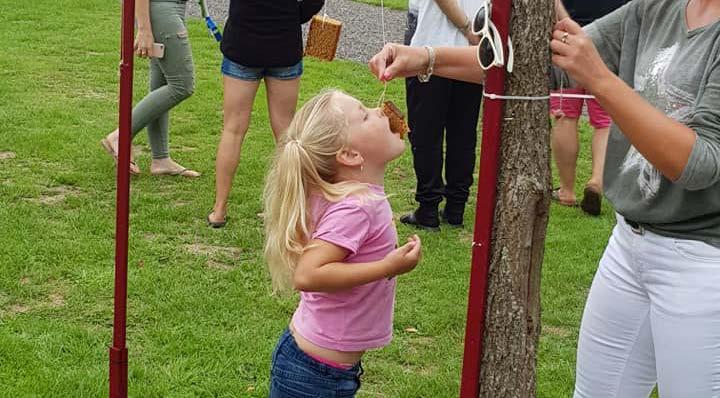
(118, 351)
(484, 214)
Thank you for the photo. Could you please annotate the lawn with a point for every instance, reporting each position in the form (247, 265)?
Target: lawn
(202, 322)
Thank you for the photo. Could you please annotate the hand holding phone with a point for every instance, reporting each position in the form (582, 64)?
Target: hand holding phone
(144, 43)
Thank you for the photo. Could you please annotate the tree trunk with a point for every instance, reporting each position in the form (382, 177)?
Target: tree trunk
(521, 214)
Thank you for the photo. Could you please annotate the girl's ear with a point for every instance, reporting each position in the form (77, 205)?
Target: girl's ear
(349, 157)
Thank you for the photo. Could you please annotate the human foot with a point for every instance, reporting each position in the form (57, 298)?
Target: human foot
(110, 143)
(215, 221)
(563, 199)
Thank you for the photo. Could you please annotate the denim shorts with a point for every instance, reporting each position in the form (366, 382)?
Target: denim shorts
(237, 71)
(296, 375)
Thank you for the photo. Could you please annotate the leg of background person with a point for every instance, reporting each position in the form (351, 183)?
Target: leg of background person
(599, 145)
(158, 128)
(427, 112)
(592, 194)
(238, 98)
(156, 81)
(601, 121)
(282, 97)
(565, 148)
(460, 145)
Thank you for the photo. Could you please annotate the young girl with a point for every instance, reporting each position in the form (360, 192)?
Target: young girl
(331, 235)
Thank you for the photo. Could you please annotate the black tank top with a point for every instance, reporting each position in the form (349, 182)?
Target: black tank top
(266, 33)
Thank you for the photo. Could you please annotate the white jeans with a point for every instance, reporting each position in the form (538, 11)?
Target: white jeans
(652, 315)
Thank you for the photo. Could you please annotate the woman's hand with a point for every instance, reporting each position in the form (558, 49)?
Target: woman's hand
(404, 259)
(575, 53)
(399, 61)
(144, 41)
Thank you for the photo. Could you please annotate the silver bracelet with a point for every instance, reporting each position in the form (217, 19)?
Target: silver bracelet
(466, 28)
(425, 77)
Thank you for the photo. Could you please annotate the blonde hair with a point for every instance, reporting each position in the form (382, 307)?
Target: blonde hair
(304, 164)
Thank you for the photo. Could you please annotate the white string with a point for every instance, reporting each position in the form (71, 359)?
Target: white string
(382, 20)
(561, 95)
(382, 24)
(325, 14)
(540, 98)
(515, 97)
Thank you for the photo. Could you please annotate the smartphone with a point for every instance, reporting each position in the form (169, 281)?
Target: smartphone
(158, 50)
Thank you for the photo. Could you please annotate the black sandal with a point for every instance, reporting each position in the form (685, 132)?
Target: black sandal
(591, 202)
(215, 224)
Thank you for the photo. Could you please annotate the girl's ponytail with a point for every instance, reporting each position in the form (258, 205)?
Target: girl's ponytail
(304, 164)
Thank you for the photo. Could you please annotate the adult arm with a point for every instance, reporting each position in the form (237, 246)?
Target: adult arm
(144, 39)
(664, 142)
(459, 63)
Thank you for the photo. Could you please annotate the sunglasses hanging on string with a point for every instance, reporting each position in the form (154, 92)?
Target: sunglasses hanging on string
(490, 48)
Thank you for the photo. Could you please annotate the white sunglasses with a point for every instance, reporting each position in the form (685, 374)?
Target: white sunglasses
(490, 49)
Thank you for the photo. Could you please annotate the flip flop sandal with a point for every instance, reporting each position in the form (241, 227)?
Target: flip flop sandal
(183, 172)
(215, 224)
(134, 169)
(556, 199)
(591, 202)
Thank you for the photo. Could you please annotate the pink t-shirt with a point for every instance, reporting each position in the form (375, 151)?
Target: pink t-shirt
(360, 318)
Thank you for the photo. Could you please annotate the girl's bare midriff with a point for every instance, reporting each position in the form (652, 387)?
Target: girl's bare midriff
(348, 358)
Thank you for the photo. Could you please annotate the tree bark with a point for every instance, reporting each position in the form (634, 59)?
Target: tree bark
(513, 304)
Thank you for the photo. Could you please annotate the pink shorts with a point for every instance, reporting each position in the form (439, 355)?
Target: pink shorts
(572, 108)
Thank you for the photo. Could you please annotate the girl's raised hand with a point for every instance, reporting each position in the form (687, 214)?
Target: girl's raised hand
(404, 259)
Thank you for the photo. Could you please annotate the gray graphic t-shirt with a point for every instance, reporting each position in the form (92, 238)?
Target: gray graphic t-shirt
(647, 43)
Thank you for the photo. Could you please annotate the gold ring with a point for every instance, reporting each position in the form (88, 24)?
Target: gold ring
(565, 37)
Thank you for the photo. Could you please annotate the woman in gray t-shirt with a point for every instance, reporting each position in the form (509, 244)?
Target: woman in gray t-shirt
(653, 312)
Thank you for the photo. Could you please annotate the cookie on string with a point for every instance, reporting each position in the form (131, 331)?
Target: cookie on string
(397, 119)
(323, 37)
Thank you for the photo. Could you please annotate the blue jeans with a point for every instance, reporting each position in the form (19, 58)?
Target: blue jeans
(296, 375)
(250, 73)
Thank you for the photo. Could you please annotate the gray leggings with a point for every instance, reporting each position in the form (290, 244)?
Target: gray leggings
(171, 78)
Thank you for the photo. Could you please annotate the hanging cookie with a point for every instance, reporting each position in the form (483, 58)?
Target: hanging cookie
(397, 119)
(323, 37)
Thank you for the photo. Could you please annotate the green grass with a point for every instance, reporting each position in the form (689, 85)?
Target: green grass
(393, 4)
(201, 318)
